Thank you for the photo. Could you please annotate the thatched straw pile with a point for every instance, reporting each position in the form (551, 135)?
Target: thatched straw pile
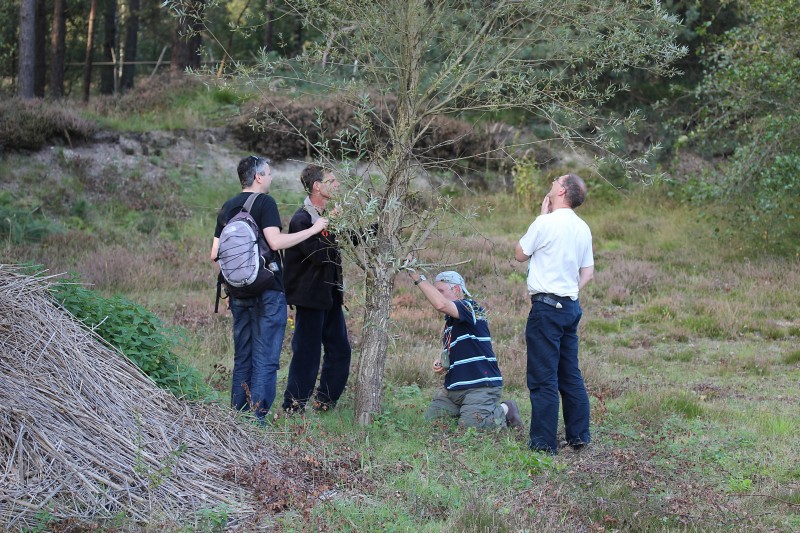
(85, 435)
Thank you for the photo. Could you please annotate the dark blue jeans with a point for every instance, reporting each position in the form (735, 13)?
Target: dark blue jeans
(316, 329)
(258, 327)
(551, 336)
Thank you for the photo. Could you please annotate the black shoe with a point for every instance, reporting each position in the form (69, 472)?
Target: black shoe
(547, 451)
(577, 444)
(512, 417)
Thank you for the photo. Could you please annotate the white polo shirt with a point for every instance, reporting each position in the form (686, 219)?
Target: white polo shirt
(559, 243)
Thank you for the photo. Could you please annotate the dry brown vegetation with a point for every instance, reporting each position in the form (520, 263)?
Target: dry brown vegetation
(86, 437)
(29, 124)
(284, 127)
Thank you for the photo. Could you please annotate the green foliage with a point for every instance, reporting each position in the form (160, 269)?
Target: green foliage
(748, 110)
(683, 404)
(9, 11)
(740, 484)
(137, 333)
(214, 519)
(527, 182)
(20, 224)
(792, 357)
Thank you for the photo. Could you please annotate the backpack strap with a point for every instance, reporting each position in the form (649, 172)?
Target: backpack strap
(248, 205)
(219, 292)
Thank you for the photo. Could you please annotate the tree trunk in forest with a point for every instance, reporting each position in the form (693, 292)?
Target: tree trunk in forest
(180, 49)
(269, 26)
(108, 72)
(58, 49)
(27, 49)
(298, 37)
(375, 343)
(131, 45)
(40, 69)
(87, 63)
(187, 40)
(195, 42)
(229, 48)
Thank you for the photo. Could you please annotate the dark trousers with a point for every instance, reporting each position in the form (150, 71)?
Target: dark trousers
(551, 336)
(314, 330)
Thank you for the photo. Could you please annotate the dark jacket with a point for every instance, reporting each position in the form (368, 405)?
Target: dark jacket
(313, 268)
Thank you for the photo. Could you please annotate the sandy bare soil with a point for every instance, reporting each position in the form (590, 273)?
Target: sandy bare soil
(150, 154)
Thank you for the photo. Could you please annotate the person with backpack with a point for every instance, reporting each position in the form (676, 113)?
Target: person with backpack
(314, 285)
(259, 313)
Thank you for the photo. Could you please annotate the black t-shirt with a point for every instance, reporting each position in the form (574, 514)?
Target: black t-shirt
(264, 212)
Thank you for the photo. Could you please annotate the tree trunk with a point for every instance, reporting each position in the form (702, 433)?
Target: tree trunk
(269, 26)
(298, 37)
(375, 343)
(27, 49)
(131, 44)
(187, 40)
(40, 69)
(58, 49)
(108, 72)
(380, 280)
(228, 49)
(87, 64)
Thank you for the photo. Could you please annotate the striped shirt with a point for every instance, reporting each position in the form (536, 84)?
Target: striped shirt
(472, 360)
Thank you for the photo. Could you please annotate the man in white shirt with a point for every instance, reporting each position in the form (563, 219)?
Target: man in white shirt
(559, 246)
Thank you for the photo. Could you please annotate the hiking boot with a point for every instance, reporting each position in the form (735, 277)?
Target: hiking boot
(578, 445)
(512, 417)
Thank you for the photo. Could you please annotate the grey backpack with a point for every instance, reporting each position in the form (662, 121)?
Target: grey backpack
(244, 257)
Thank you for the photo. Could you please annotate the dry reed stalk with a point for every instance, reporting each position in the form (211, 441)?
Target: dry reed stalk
(84, 434)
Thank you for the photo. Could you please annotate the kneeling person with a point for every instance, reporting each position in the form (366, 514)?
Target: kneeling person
(473, 383)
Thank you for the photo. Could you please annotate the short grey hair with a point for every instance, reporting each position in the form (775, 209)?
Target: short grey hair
(249, 167)
(576, 190)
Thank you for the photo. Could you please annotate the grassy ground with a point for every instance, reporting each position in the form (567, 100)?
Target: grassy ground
(689, 348)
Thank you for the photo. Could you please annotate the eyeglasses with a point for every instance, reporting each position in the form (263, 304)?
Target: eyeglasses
(257, 160)
(560, 183)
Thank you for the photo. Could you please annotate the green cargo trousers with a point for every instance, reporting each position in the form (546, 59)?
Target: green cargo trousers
(479, 407)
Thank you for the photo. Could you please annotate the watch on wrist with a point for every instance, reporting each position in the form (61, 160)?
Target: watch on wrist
(420, 279)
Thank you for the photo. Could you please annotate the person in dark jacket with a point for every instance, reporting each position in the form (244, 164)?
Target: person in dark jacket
(313, 282)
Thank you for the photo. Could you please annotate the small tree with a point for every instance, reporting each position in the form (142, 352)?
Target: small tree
(403, 63)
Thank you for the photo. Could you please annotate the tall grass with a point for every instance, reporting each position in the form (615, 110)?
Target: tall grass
(689, 352)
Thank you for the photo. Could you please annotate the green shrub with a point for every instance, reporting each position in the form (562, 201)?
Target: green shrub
(30, 124)
(137, 333)
(21, 225)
